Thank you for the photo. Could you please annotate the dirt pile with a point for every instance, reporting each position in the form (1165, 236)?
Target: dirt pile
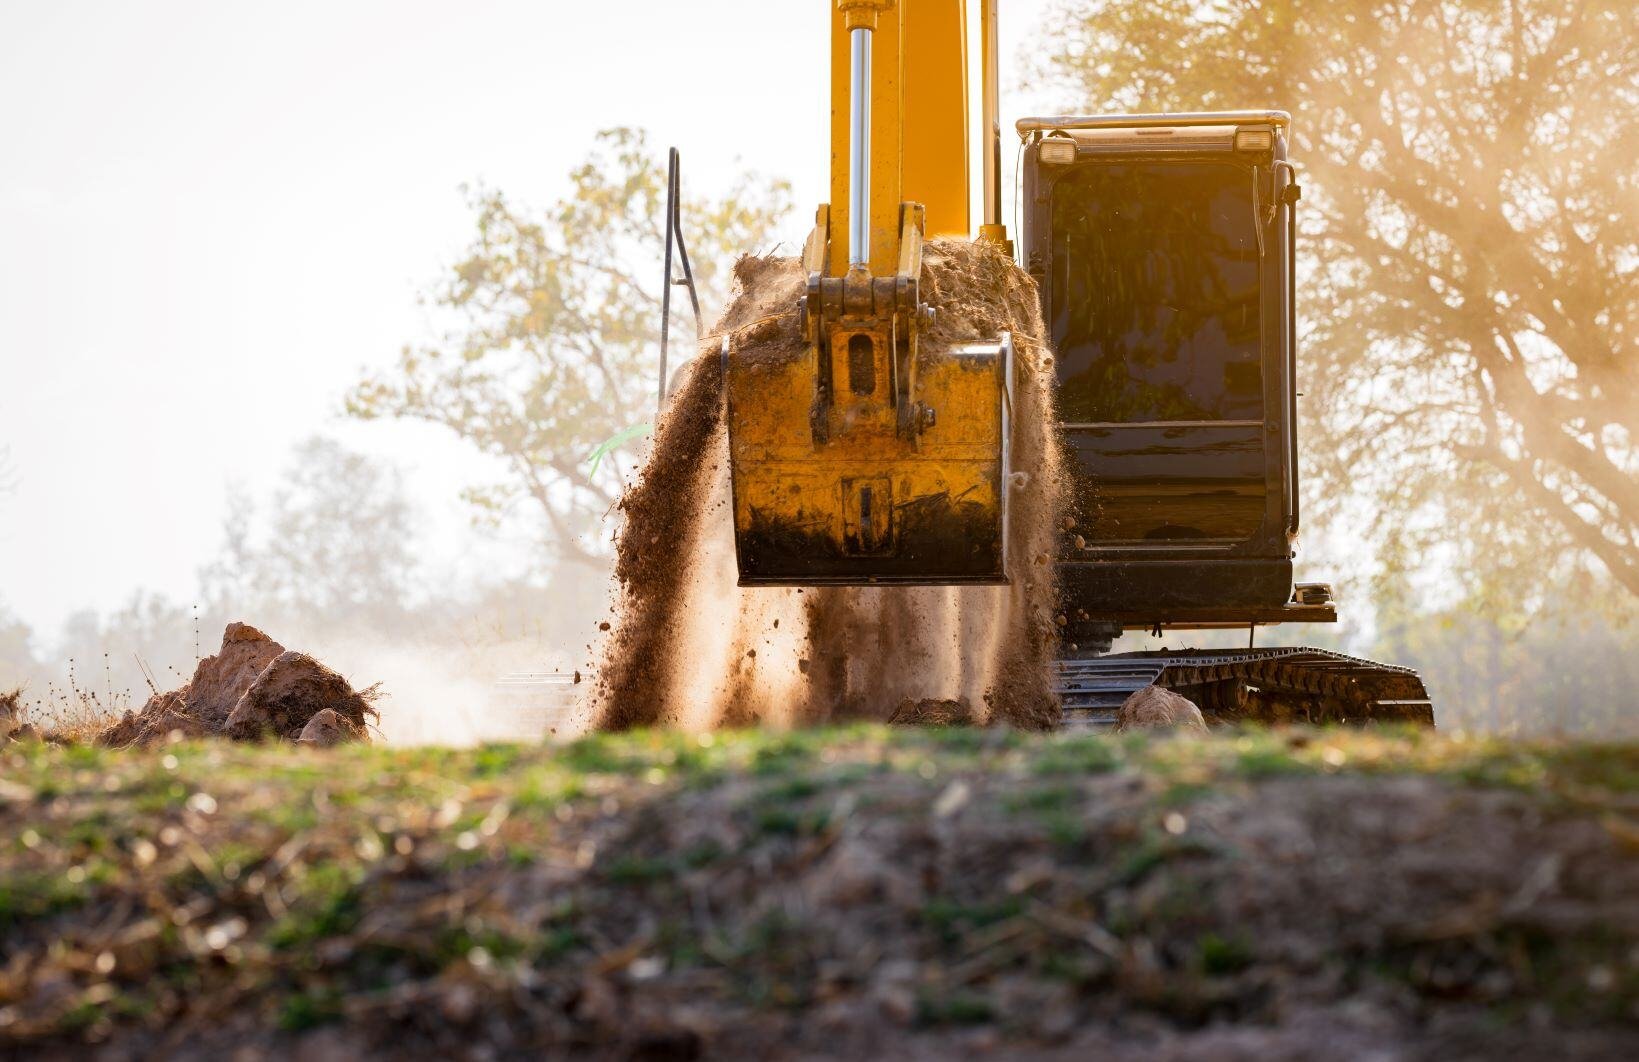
(690, 648)
(252, 688)
(1154, 708)
(12, 726)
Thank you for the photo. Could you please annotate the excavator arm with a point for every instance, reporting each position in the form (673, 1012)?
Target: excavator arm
(874, 457)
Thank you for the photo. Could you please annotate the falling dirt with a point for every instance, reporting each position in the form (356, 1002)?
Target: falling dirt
(690, 648)
(251, 689)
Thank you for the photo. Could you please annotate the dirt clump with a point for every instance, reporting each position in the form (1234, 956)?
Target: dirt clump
(26, 733)
(327, 729)
(691, 648)
(11, 712)
(932, 711)
(290, 693)
(1155, 708)
(762, 320)
(13, 726)
(252, 688)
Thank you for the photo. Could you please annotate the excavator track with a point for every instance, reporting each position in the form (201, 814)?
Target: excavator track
(1275, 685)
(1290, 685)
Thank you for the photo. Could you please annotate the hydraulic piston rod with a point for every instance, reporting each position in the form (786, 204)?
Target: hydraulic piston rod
(992, 227)
(859, 18)
(859, 149)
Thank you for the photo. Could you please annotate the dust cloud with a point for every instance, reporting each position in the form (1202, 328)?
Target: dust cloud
(459, 695)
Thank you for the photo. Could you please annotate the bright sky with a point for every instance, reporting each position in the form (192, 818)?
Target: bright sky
(214, 215)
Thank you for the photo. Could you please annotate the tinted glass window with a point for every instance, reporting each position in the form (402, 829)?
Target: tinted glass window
(1154, 294)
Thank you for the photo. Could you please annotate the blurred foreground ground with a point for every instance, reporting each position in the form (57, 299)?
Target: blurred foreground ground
(837, 893)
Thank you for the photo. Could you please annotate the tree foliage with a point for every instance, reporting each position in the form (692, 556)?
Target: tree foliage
(114, 656)
(18, 666)
(1472, 219)
(553, 347)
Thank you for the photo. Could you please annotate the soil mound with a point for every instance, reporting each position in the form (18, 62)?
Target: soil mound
(251, 688)
(690, 648)
(1154, 708)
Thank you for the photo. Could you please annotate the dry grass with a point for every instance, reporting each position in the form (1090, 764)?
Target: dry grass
(70, 714)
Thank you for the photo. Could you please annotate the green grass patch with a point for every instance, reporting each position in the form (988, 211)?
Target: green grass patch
(954, 1008)
(951, 918)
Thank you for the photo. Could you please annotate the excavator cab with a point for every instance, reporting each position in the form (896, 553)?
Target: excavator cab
(1162, 246)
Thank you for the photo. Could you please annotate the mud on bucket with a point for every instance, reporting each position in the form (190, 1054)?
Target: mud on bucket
(834, 485)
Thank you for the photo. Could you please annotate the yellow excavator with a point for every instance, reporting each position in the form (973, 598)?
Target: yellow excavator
(1163, 247)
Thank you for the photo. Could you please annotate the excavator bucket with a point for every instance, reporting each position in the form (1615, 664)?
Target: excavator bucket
(831, 488)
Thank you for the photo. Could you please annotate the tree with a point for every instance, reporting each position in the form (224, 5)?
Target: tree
(1473, 207)
(554, 343)
(114, 657)
(18, 666)
(337, 549)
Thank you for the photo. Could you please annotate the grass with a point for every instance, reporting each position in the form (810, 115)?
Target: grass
(137, 888)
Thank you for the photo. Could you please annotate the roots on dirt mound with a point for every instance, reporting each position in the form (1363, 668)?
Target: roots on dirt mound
(252, 688)
(690, 648)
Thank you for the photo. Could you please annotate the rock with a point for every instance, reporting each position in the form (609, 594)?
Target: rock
(326, 730)
(288, 694)
(1154, 708)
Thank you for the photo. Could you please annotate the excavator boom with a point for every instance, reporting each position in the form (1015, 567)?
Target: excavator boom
(873, 458)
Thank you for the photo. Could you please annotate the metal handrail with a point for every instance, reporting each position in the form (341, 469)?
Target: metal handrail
(1138, 121)
(674, 234)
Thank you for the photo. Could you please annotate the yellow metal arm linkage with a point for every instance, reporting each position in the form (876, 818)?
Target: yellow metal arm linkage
(864, 461)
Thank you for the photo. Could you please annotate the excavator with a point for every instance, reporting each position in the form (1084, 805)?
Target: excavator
(1163, 247)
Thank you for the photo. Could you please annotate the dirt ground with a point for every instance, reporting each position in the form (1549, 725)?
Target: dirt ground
(819, 894)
